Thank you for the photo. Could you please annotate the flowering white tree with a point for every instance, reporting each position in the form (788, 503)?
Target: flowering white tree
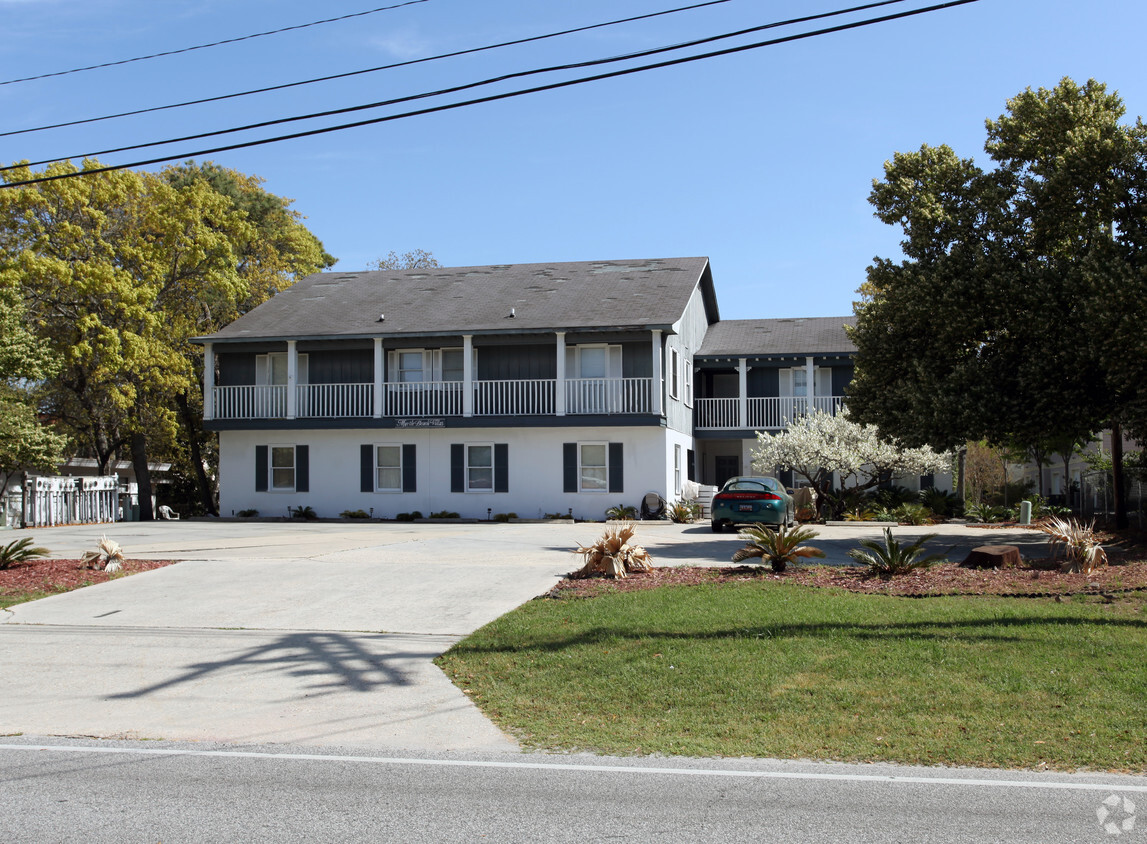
(818, 445)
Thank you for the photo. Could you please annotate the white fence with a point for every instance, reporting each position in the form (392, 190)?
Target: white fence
(69, 501)
(770, 413)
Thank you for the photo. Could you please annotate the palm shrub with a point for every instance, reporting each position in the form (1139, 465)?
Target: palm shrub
(108, 556)
(621, 512)
(981, 512)
(778, 547)
(891, 497)
(912, 514)
(1081, 548)
(613, 555)
(20, 551)
(940, 502)
(683, 512)
(891, 558)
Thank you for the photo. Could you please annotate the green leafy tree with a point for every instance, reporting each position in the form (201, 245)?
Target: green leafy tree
(25, 442)
(1011, 313)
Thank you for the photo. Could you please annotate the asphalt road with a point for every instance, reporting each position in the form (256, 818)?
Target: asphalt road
(83, 791)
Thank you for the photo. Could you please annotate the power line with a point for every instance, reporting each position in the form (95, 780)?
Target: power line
(495, 97)
(212, 44)
(351, 73)
(458, 88)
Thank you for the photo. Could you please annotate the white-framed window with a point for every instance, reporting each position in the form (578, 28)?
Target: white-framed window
(480, 467)
(452, 365)
(282, 459)
(410, 366)
(593, 467)
(688, 363)
(677, 469)
(674, 373)
(271, 369)
(388, 467)
(800, 382)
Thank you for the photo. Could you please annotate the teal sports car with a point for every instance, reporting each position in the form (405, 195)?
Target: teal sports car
(749, 500)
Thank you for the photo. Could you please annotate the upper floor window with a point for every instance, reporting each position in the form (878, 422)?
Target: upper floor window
(674, 373)
(271, 369)
(800, 382)
(410, 367)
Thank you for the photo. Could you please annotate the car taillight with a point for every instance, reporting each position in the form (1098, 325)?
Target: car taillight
(755, 496)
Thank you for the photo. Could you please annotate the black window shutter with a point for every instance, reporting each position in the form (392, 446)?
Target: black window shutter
(260, 468)
(691, 464)
(616, 469)
(569, 467)
(302, 468)
(366, 468)
(409, 469)
(457, 467)
(501, 467)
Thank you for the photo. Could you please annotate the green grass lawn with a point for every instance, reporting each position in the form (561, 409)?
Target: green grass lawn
(773, 669)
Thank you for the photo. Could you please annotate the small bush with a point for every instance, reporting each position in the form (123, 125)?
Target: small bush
(684, 512)
(443, 514)
(860, 514)
(558, 516)
(20, 551)
(504, 517)
(305, 512)
(1081, 548)
(108, 557)
(913, 514)
(986, 513)
(893, 496)
(778, 547)
(943, 504)
(613, 555)
(890, 558)
(354, 514)
(406, 517)
(246, 514)
(621, 513)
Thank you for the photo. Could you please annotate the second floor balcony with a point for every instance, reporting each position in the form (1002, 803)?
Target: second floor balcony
(428, 399)
(769, 413)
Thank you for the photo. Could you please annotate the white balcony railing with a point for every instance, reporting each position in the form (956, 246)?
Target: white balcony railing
(250, 402)
(609, 395)
(532, 397)
(514, 398)
(772, 413)
(327, 401)
(426, 398)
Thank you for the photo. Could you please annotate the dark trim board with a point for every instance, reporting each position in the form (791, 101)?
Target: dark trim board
(732, 434)
(370, 423)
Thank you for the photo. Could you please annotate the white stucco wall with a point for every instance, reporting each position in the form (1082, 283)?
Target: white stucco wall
(535, 471)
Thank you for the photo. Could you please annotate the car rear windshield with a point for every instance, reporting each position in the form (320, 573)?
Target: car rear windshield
(763, 485)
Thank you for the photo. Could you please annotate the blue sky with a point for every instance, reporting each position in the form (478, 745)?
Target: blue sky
(762, 161)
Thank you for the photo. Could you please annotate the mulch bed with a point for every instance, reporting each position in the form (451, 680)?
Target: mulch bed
(63, 575)
(1036, 578)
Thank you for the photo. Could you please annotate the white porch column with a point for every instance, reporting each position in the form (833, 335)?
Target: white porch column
(208, 382)
(467, 374)
(560, 387)
(292, 378)
(657, 388)
(379, 371)
(742, 393)
(810, 377)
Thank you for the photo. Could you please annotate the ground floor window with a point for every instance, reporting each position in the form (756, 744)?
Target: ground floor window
(480, 468)
(593, 467)
(283, 468)
(388, 468)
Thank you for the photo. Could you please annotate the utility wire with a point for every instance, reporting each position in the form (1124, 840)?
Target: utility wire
(212, 44)
(369, 69)
(467, 86)
(495, 97)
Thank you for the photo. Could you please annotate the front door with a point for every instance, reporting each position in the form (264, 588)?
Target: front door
(727, 467)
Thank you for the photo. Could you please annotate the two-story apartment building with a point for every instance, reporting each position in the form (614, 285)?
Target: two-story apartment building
(526, 388)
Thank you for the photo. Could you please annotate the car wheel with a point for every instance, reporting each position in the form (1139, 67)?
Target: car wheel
(716, 526)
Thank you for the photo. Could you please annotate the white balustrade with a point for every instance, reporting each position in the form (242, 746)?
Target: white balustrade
(424, 398)
(514, 398)
(609, 395)
(329, 401)
(769, 413)
(251, 402)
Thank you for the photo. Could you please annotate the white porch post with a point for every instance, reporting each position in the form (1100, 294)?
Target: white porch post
(467, 374)
(742, 393)
(208, 382)
(292, 378)
(657, 388)
(378, 373)
(810, 377)
(560, 387)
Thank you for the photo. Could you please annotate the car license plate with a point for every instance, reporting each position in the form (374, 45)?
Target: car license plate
(745, 508)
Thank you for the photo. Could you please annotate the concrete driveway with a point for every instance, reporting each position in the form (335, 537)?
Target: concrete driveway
(307, 633)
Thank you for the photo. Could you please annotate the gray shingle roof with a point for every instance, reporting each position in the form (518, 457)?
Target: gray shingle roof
(577, 295)
(797, 336)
